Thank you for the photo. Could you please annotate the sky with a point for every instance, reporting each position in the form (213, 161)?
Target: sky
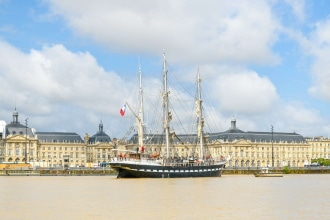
(68, 65)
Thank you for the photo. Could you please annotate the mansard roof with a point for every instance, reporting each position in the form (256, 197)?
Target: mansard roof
(16, 128)
(258, 137)
(159, 139)
(230, 135)
(235, 134)
(61, 137)
(100, 136)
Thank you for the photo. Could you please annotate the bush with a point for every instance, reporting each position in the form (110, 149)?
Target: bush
(286, 170)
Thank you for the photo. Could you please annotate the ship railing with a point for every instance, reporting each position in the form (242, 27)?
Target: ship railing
(188, 163)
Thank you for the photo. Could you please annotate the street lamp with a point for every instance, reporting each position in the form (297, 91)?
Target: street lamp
(272, 148)
(26, 124)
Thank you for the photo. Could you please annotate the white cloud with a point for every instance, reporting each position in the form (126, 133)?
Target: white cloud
(298, 8)
(190, 31)
(244, 92)
(296, 113)
(59, 84)
(318, 46)
(65, 90)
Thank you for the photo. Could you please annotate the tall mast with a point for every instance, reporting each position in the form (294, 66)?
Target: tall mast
(200, 119)
(140, 118)
(166, 109)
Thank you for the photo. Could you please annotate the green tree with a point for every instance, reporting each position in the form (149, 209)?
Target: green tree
(286, 170)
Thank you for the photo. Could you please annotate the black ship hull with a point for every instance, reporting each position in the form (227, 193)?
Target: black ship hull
(131, 170)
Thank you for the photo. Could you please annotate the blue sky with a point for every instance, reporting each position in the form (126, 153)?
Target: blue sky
(67, 65)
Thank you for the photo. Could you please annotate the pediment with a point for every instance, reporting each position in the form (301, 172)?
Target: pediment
(15, 138)
(242, 143)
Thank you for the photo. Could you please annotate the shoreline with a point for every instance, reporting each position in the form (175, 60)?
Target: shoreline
(108, 172)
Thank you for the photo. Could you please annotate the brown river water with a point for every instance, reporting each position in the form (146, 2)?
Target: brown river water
(105, 197)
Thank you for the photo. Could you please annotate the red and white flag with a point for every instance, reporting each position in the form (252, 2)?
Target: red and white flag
(122, 110)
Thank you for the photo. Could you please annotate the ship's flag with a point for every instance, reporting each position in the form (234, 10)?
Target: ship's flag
(122, 110)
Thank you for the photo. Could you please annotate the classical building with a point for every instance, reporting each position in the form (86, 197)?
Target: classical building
(19, 142)
(60, 149)
(45, 149)
(319, 147)
(258, 149)
(99, 146)
(246, 149)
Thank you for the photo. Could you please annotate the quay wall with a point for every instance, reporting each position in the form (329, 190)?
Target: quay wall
(108, 171)
(298, 170)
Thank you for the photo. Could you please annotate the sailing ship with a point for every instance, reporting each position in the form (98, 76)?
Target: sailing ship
(139, 164)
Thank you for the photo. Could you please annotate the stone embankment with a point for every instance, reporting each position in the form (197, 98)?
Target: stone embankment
(57, 172)
(287, 170)
(107, 171)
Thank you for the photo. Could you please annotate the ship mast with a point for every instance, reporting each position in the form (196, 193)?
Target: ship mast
(200, 119)
(140, 118)
(166, 112)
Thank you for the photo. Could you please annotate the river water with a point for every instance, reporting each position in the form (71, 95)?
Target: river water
(105, 197)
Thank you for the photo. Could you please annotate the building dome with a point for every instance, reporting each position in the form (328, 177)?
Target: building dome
(100, 136)
(16, 128)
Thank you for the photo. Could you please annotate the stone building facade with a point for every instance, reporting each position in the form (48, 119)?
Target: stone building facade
(19, 143)
(60, 149)
(99, 147)
(246, 149)
(319, 147)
